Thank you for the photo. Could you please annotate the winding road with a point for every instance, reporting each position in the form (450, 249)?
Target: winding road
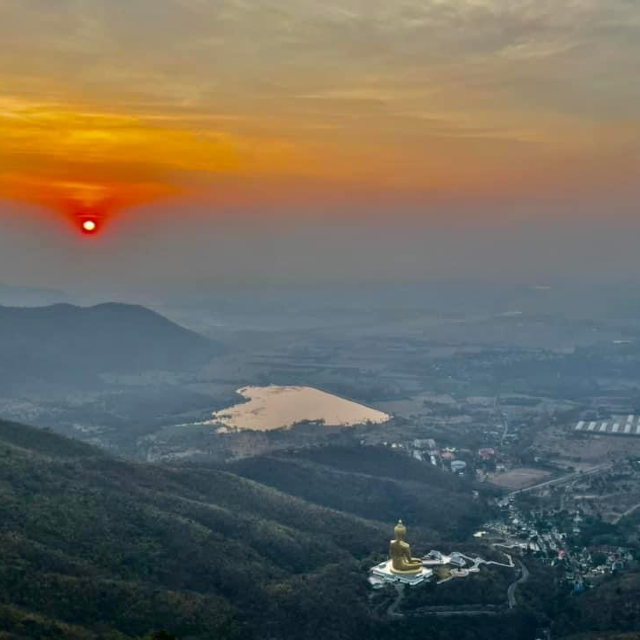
(392, 610)
(511, 591)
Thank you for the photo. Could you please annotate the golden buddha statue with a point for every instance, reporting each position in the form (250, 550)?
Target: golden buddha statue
(400, 553)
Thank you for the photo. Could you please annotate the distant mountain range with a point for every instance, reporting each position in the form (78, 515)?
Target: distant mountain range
(67, 343)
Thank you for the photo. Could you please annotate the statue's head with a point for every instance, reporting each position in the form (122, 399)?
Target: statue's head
(400, 531)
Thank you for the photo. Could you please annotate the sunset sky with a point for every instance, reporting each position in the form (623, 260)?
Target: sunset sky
(237, 108)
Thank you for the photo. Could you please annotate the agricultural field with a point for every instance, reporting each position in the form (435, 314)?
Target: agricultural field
(563, 446)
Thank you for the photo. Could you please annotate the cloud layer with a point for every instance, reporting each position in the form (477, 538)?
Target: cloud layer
(126, 102)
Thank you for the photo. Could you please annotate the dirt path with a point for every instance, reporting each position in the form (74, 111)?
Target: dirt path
(628, 512)
(392, 611)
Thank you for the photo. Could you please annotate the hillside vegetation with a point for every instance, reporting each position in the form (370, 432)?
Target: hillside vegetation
(374, 483)
(613, 607)
(96, 543)
(93, 548)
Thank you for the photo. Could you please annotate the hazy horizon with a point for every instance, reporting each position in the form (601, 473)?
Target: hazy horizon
(176, 252)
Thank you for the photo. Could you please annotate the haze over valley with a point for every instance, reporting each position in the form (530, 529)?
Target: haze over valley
(437, 403)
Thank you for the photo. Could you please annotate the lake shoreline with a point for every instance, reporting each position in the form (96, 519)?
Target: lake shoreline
(282, 407)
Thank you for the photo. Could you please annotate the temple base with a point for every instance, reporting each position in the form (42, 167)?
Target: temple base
(385, 573)
(399, 572)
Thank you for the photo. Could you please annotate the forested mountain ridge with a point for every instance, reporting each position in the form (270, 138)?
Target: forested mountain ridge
(100, 544)
(64, 342)
(374, 483)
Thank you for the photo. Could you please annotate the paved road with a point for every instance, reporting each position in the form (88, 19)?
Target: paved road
(480, 610)
(565, 479)
(505, 422)
(475, 612)
(628, 512)
(511, 591)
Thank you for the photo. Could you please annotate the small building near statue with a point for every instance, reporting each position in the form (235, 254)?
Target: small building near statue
(401, 567)
(434, 559)
(458, 466)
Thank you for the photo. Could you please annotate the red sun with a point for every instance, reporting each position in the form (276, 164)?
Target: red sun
(89, 225)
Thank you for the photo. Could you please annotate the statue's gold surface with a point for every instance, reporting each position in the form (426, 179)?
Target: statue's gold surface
(400, 553)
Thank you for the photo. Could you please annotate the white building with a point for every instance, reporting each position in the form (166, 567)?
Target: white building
(458, 466)
(428, 443)
(457, 560)
(435, 559)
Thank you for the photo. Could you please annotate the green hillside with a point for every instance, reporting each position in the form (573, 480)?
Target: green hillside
(94, 548)
(374, 483)
(94, 542)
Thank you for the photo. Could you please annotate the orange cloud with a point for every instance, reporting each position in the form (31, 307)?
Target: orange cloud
(79, 162)
(77, 199)
(83, 161)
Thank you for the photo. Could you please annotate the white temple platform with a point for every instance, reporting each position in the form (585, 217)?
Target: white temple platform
(383, 572)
